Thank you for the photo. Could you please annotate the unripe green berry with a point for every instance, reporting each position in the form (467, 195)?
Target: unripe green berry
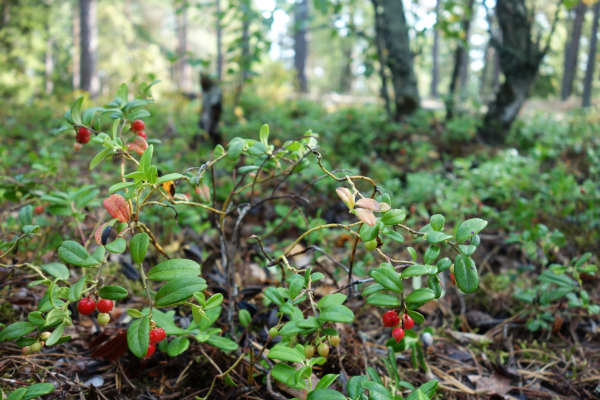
(26, 350)
(103, 319)
(371, 245)
(273, 332)
(309, 351)
(334, 340)
(323, 350)
(45, 335)
(452, 269)
(36, 347)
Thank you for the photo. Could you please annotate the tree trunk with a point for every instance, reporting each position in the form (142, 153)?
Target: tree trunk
(520, 58)
(380, 44)
(245, 47)
(346, 72)
(219, 42)
(212, 105)
(300, 43)
(182, 70)
(435, 74)
(572, 52)
(76, 49)
(399, 57)
(461, 58)
(89, 46)
(589, 72)
(485, 70)
(48, 64)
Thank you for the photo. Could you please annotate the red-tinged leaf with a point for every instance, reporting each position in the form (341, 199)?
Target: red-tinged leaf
(136, 148)
(100, 234)
(113, 349)
(204, 192)
(369, 204)
(141, 142)
(117, 207)
(346, 196)
(97, 341)
(366, 216)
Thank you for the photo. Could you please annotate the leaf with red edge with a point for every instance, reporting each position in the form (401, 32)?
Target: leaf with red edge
(101, 232)
(117, 207)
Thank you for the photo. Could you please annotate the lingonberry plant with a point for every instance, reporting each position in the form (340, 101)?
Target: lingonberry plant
(305, 327)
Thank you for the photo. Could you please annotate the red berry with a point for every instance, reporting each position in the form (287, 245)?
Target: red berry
(151, 350)
(391, 319)
(142, 134)
(86, 306)
(138, 125)
(408, 321)
(82, 139)
(39, 209)
(398, 334)
(105, 306)
(83, 132)
(77, 146)
(157, 335)
(582, 190)
(452, 278)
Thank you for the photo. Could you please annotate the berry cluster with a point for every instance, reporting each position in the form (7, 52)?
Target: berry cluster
(139, 144)
(138, 127)
(156, 336)
(391, 319)
(81, 138)
(87, 306)
(309, 350)
(37, 346)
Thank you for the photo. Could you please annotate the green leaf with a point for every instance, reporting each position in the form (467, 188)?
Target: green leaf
(368, 233)
(283, 372)
(152, 174)
(73, 253)
(431, 254)
(354, 387)
(222, 343)
(57, 270)
(374, 288)
(559, 280)
(467, 250)
(55, 316)
(25, 341)
(248, 168)
(418, 318)
(167, 178)
(428, 389)
(16, 330)
(173, 269)
(433, 282)
(331, 300)
(214, 301)
(274, 295)
(137, 175)
(118, 245)
(466, 274)
(36, 390)
(393, 217)
(374, 375)
(99, 157)
(36, 318)
(119, 186)
(415, 270)
(437, 237)
(395, 236)
(443, 264)
(218, 151)
(420, 296)
(56, 335)
(296, 286)
(437, 222)
(146, 159)
(235, 148)
(383, 300)
(337, 313)
(133, 313)
(178, 346)
(326, 381)
(325, 394)
(113, 292)
(413, 253)
(388, 278)
(26, 215)
(283, 353)
(470, 228)
(264, 134)
(138, 247)
(17, 394)
(377, 391)
(299, 376)
(178, 290)
(244, 317)
(137, 336)
(309, 323)
(76, 110)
